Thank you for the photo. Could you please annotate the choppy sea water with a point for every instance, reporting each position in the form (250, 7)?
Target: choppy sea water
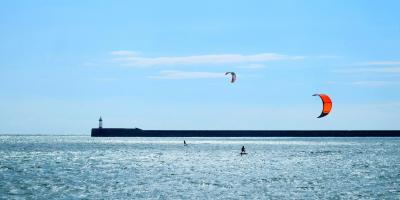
(80, 167)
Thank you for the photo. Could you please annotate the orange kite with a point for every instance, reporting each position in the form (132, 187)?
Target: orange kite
(326, 103)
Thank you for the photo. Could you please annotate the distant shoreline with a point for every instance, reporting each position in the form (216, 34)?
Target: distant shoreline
(121, 132)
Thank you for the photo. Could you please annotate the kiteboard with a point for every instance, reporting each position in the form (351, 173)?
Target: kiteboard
(243, 154)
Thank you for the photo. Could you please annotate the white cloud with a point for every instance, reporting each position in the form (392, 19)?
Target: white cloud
(367, 83)
(385, 62)
(127, 58)
(375, 83)
(252, 66)
(170, 74)
(391, 70)
(373, 67)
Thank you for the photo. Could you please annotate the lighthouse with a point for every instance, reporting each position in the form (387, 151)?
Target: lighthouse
(100, 123)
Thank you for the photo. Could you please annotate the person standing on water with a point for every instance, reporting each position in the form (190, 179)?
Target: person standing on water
(243, 150)
(184, 142)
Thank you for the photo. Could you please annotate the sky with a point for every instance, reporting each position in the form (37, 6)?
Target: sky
(161, 64)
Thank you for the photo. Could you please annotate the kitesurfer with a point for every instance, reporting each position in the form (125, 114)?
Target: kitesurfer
(184, 142)
(243, 150)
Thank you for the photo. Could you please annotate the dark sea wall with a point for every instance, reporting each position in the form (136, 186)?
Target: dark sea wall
(121, 132)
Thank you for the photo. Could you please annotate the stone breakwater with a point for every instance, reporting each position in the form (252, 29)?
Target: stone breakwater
(121, 132)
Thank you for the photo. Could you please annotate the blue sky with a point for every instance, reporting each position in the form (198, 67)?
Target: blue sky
(161, 65)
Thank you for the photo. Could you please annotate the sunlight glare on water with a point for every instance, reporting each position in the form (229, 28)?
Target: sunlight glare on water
(39, 167)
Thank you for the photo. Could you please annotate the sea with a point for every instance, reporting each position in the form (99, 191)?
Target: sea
(81, 167)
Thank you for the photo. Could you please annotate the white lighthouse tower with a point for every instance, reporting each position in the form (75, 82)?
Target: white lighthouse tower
(100, 123)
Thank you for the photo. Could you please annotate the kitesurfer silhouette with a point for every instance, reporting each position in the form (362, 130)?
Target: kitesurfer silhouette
(184, 142)
(243, 150)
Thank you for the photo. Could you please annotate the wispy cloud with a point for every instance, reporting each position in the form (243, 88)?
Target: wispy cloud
(368, 83)
(252, 66)
(392, 70)
(376, 83)
(171, 74)
(128, 58)
(373, 67)
(383, 62)
(381, 70)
